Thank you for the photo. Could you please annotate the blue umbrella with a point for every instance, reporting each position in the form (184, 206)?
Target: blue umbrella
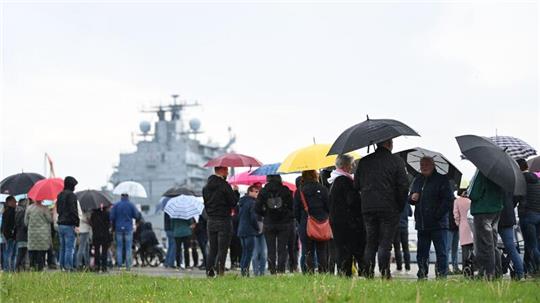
(267, 169)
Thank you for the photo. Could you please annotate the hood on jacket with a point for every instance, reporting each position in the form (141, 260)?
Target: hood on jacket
(69, 183)
(214, 181)
(337, 173)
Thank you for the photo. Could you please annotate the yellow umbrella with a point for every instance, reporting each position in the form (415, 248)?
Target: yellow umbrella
(310, 157)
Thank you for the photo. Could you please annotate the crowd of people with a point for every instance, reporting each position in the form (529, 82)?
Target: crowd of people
(272, 228)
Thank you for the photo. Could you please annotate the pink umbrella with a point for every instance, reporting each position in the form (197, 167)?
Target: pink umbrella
(233, 160)
(246, 179)
(291, 186)
(538, 174)
(46, 189)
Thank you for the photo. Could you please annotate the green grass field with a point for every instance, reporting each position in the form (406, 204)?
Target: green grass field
(88, 287)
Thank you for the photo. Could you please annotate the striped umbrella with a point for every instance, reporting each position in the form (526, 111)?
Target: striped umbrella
(184, 207)
(515, 147)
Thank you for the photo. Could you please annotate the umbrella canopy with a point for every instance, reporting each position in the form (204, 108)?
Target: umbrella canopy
(177, 191)
(233, 160)
(534, 164)
(46, 189)
(267, 169)
(92, 199)
(289, 185)
(133, 189)
(19, 183)
(371, 131)
(184, 207)
(310, 157)
(246, 178)
(413, 156)
(515, 147)
(493, 162)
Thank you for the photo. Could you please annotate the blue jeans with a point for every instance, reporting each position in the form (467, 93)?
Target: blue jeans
(507, 236)
(83, 253)
(439, 238)
(171, 249)
(67, 236)
(530, 228)
(259, 255)
(453, 243)
(123, 239)
(8, 256)
(248, 245)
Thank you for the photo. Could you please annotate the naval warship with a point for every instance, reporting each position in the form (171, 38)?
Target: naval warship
(167, 155)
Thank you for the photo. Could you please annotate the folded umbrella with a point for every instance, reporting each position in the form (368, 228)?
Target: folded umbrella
(267, 169)
(92, 199)
(534, 164)
(46, 189)
(369, 132)
(443, 166)
(233, 160)
(133, 189)
(184, 207)
(515, 147)
(19, 183)
(246, 178)
(493, 162)
(308, 158)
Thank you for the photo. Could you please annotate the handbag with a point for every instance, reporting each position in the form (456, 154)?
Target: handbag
(316, 230)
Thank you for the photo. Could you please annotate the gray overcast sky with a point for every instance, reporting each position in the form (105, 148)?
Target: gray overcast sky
(75, 76)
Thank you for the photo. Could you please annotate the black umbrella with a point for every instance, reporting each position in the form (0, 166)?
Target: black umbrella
(19, 183)
(92, 199)
(413, 156)
(177, 191)
(493, 162)
(369, 132)
(534, 164)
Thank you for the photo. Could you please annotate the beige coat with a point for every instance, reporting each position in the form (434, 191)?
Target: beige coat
(38, 218)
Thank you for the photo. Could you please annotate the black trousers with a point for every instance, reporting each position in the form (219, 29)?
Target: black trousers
(22, 253)
(100, 252)
(321, 249)
(380, 231)
(219, 240)
(37, 259)
(350, 244)
(235, 250)
(202, 241)
(185, 243)
(292, 248)
(277, 237)
(401, 245)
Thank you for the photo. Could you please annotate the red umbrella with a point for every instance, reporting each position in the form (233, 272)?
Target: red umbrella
(246, 179)
(291, 186)
(233, 160)
(46, 189)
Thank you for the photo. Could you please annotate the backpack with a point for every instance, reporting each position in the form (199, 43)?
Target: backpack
(274, 203)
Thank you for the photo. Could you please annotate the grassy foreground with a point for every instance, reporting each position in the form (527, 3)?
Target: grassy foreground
(87, 287)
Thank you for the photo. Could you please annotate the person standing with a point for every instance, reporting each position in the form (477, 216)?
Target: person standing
(401, 241)
(182, 231)
(21, 235)
(201, 233)
(38, 218)
(8, 232)
(487, 200)
(219, 200)
(453, 241)
(69, 213)
(248, 227)
(431, 194)
(101, 236)
(382, 181)
(314, 197)
(83, 253)
(122, 215)
(346, 217)
(275, 205)
(171, 245)
(462, 206)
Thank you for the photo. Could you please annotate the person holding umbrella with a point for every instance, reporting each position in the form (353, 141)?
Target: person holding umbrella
(219, 199)
(382, 181)
(38, 218)
(69, 214)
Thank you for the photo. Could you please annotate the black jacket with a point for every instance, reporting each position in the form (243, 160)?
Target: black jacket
(382, 181)
(219, 198)
(8, 223)
(101, 226)
(148, 237)
(432, 209)
(508, 215)
(281, 215)
(531, 202)
(317, 201)
(345, 206)
(21, 230)
(66, 204)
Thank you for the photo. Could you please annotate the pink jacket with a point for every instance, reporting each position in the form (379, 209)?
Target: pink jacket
(461, 208)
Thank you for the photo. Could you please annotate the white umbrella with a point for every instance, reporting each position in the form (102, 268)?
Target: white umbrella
(133, 189)
(185, 207)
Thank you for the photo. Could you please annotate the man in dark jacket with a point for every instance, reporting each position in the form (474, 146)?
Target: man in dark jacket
(382, 181)
(219, 199)
(432, 196)
(8, 231)
(21, 235)
(275, 204)
(346, 217)
(67, 207)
